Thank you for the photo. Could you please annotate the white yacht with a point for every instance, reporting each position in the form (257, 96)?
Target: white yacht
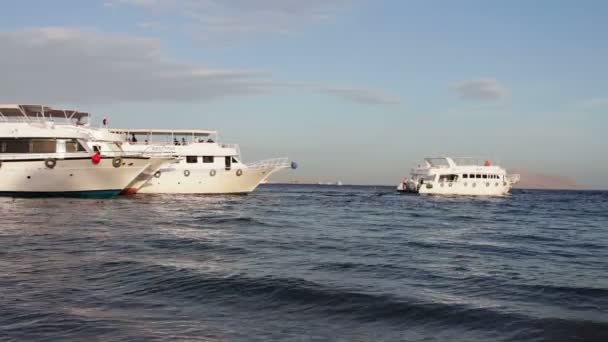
(458, 176)
(111, 144)
(202, 165)
(45, 152)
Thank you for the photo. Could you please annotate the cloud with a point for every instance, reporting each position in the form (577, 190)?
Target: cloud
(485, 89)
(362, 95)
(233, 19)
(62, 64)
(68, 65)
(359, 95)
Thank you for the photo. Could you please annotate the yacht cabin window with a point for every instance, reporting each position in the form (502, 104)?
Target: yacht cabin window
(234, 161)
(191, 159)
(207, 159)
(40, 145)
(448, 178)
(73, 145)
(15, 146)
(45, 145)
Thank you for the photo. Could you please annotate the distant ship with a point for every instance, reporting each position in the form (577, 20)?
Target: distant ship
(338, 183)
(458, 176)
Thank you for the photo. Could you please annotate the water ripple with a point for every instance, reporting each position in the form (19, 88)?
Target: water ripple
(306, 263)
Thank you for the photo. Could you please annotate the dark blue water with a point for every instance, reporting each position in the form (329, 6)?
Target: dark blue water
(306, 263)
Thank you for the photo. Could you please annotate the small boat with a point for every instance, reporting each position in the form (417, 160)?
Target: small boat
(458, 176)
(45, 152)
(201, 164)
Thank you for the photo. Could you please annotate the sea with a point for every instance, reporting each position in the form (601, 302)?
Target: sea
(306, 263)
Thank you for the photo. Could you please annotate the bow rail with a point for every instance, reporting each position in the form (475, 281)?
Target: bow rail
(275, 163)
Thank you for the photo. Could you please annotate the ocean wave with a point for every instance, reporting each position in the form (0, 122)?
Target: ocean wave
(271, 293)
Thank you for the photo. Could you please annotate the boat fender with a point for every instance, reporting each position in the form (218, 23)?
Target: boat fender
(488, 184)
(429, 186)
(50, 163)
(212, 173)
(116, 162)
(157, 174)
(96, 158)
(0, 164)
(186, 173)
(239, 172)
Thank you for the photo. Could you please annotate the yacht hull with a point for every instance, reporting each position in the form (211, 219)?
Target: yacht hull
(70, 177)
(70, 194)
(201, 181)
(495, 188)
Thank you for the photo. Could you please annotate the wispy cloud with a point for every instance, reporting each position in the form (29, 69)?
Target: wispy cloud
(234, 19)
(484, 89)
(73, 65)
(362, 95)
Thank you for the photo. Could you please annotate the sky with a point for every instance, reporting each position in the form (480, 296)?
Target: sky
(353, 90)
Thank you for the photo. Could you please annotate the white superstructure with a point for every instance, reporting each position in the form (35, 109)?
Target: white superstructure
(202, 165)
(45, 152)
(458, 176)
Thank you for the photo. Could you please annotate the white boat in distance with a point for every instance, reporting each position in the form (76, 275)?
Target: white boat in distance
(202, 165)
(458, 176)
(45, 152)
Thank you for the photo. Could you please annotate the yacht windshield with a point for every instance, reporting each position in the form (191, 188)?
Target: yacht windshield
(468, 161)
(438, 162)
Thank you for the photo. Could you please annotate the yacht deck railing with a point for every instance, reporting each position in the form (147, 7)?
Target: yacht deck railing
(513, 178)
(159, 150)
(275, 163)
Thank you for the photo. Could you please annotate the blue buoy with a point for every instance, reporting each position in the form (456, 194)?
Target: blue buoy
(294, 165)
